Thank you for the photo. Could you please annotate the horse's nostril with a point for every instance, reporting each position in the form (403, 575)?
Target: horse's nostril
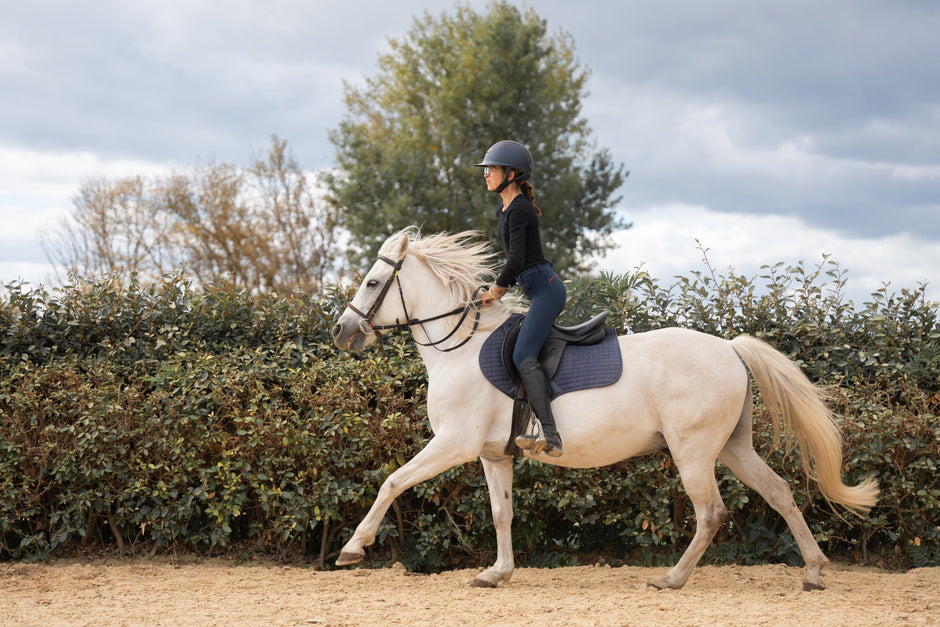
(337, 330)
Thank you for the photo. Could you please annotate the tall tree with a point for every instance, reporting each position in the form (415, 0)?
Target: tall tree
(449, 89)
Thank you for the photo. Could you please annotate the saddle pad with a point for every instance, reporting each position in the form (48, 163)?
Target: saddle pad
(581, 367)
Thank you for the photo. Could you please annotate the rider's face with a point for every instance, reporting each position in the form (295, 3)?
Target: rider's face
(493, 175)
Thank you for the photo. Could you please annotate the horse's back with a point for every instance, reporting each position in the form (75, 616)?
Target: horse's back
(676, 351)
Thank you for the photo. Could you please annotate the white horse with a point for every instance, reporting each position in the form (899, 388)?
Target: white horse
(681, 390)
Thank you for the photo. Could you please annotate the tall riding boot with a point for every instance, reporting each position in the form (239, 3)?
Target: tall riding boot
(546, 438)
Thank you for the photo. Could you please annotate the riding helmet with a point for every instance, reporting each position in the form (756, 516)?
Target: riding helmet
(512, 155)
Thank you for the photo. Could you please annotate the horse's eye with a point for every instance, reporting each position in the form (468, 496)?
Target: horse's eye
(371, 283)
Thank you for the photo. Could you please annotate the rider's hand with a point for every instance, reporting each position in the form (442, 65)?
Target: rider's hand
(493, 294)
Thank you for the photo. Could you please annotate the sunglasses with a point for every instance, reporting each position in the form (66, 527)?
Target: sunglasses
(487, 170)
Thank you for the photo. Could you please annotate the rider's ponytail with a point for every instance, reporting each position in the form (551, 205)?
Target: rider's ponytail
(529, 192)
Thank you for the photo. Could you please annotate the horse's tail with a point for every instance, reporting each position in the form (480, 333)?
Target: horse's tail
(789, 395)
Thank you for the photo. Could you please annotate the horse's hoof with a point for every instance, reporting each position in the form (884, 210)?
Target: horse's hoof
(809, 586)
(482, 583)
(660, 583)
(348, 559)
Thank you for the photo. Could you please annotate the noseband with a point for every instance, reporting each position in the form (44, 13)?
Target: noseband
(368, 328)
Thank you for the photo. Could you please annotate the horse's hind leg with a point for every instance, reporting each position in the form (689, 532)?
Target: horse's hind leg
(741, 459)
(698, 479)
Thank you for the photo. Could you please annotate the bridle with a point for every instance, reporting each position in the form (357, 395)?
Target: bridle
(367, 327)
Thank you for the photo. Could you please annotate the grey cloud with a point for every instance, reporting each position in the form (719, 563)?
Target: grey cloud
(851, 85)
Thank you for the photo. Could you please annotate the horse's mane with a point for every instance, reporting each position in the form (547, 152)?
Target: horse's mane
(463, 261)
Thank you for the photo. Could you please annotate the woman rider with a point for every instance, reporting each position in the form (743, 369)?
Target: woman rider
(507, 166)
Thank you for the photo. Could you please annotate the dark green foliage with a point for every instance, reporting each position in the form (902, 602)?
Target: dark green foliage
(161, 418)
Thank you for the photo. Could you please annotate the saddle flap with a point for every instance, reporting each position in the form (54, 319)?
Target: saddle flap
(509, 343)
(551, 353)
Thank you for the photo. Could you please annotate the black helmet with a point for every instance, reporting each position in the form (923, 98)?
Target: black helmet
(512, 155)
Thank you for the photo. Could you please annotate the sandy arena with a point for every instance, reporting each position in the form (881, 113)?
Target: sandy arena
(133, 592)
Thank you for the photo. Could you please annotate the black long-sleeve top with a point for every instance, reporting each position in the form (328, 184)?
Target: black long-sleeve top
(518, 230)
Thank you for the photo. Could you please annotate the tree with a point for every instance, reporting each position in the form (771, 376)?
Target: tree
(259, 228)
(114, 226)
(448, 90)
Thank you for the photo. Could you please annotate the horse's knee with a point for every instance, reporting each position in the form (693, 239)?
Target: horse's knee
(714, 517)
(721, 514)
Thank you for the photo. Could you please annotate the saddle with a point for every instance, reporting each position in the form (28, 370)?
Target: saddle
(585, 334)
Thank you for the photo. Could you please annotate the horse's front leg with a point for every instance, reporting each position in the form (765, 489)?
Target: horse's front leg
(499, 481)
(437, 456)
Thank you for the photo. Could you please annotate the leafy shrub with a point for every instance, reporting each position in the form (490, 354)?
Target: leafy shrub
(160, 418)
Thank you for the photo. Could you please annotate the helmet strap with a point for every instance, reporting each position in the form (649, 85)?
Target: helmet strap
(506, 181)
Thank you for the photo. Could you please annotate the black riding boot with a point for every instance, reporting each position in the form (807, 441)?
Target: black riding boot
(546, 438)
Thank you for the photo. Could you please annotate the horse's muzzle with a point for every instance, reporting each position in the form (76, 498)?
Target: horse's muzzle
(350, 334)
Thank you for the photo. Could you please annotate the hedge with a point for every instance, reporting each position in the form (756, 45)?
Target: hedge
(158, 418)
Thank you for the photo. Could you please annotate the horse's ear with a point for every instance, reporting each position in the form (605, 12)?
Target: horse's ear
(403, 245)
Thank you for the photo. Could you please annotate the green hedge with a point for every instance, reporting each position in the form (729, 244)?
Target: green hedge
(154, 418)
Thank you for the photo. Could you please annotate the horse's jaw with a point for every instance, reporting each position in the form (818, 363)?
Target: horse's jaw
(356, 343)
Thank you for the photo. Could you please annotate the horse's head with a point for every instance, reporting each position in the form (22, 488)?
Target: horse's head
(356, 327)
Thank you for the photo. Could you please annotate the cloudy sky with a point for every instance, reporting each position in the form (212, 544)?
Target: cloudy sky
(764, 131)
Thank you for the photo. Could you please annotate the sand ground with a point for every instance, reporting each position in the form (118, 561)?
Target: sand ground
(209, 592)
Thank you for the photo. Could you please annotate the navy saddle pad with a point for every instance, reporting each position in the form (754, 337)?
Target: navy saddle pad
(581, 367)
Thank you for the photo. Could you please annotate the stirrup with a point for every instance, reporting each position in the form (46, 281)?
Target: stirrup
(528, 441)
(537, 443)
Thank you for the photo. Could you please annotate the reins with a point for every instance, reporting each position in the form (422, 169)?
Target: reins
(367, 327)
